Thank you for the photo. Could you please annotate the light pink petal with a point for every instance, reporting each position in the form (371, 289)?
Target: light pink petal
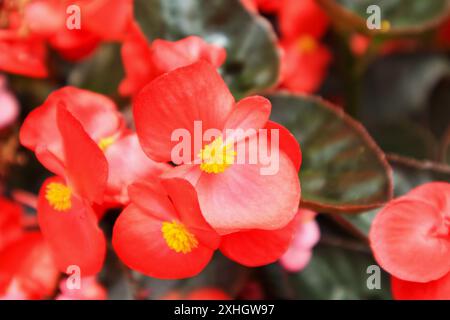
(243, 198)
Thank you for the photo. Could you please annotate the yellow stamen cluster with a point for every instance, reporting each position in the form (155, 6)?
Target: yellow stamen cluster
(58, 196)
(385, 25)
(307, 44)
(178, 237)
(105, 143)
(217, 157)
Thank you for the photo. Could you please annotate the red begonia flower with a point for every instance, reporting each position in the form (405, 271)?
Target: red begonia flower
(232, 196)
(10, 222)
(22, 55)
(144, 62)
(304, 64)
(162, 232)
(301, 17)
(74, 45)
(106, 19)
(105, 126)
(97, 114)
(43, 21)
(28, 265)
(65, 215)
(434, 290)
(410, 236)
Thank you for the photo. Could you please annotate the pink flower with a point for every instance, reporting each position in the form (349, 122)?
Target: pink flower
(9, 107)
(306, 237)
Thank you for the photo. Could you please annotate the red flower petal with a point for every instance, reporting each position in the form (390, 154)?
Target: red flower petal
(10, 222)
(139, 239)
(174, 101)
(23, 56)
(288, 143)
(249, 113)
(302, 17)
(407, 240)
(29, 262)
(243, 198)
(434, 290)
(312, 66)
(86, 165)
(139, 242)
(73, 235)
(137, 61)
(257, 247)
(97, 114)
(168, 55)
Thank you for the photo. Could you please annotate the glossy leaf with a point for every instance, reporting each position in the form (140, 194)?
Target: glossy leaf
(252, 62)
(339, 273)
(343, 169)
(404, 17)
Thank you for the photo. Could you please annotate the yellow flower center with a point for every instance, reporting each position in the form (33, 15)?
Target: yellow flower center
(307, 44)
(178, 237)
(105, 143)
(385, 25)
(59, 196)
(217, 157)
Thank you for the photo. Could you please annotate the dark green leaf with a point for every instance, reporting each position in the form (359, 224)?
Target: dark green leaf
(404, 16)
(101, 73)
(343, 169)
(398, 86)
(339, 273)
(406, 138)
(252, 62)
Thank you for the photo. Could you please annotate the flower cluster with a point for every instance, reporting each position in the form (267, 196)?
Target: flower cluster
(175, 216)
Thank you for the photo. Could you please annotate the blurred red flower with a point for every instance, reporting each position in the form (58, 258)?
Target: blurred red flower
(9, 103)
(27, 269)
(90, 289)
(105, 126)
(307, 234)
(410, 239)
(305, 60)
(144, 62)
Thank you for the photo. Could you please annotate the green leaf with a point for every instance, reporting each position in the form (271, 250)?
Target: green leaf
(405, 16)
(400, 85)
(101, 73)
(343, 170)
(335, 272)
(252, 63)
(410, 173)
(406, 138)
